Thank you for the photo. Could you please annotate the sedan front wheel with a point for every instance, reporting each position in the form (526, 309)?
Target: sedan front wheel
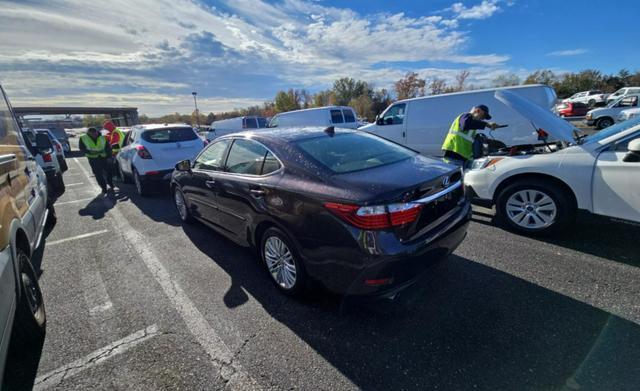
(282, 262)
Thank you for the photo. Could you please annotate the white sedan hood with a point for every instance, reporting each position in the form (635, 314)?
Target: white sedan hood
(541, 118)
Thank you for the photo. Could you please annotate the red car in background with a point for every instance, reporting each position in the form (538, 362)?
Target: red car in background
(572, 109)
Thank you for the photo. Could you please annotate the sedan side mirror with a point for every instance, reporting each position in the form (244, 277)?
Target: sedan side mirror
(183, 165)
(43, 142)
(633, 156)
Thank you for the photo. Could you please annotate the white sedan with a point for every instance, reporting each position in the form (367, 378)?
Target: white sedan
(151, 151)
(538, 188)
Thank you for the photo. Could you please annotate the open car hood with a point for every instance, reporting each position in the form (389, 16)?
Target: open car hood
(541, 118)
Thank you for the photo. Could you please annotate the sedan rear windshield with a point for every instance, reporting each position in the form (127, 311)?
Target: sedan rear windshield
(169, 135)
(350, 152)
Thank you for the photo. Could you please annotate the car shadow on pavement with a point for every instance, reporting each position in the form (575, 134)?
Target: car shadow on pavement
(462, 326)
(158, 205)
(590, 234)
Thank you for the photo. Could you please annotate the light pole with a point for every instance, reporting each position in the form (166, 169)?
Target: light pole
(195, 103)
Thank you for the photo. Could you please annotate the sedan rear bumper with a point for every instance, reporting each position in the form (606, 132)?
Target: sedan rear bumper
(380, 264)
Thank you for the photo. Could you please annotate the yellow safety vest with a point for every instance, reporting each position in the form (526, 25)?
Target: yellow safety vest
(95, 149)
(459, 141)
(115, 148)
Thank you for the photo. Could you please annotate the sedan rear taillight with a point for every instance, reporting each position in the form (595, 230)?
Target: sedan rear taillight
(377, 216)
(143, 152)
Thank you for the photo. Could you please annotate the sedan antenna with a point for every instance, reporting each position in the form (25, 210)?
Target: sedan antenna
(330, 131)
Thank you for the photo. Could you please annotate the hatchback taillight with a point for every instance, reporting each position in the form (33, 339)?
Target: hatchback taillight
(143, 152)
(377, 216)
(58, 148)
(47, 157)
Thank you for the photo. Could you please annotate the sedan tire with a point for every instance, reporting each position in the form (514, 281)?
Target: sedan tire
(534, 207)
(604, 123)
(181, 205)
(31, 317)
(282, 262)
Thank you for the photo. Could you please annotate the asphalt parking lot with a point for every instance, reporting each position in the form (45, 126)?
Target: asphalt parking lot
(137, 301)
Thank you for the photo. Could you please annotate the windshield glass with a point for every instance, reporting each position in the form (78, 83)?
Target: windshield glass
(350, 152)
(612, 130)
(170, 135)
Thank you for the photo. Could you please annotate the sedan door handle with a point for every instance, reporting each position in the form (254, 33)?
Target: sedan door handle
(210, 183)
(257, 193)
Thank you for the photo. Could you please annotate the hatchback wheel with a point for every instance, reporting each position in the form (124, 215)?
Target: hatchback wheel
(181, 205)
(282, 262)
(31, 316)
(123, 177)
(141, 188)
(534, 207)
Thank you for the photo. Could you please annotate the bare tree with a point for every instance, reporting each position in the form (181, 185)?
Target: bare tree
(437, 86)
(461, 78)
(410, 86)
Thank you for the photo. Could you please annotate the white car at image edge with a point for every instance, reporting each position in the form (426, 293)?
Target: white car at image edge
(539, 189)
(628, 114)
(151, 151)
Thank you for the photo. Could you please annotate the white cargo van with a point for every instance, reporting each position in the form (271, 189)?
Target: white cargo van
(338, 116)
(422, 123)
(232, 125)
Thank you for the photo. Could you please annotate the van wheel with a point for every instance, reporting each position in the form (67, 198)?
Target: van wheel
(282, 262)
(604, 123)
(31, 317)
(534, 207)
(141, 188)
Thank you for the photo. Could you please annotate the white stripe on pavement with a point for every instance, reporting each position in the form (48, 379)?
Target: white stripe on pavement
(75, 201)
(77, 237)
(74, 184)
(55, 377)
(219, 353)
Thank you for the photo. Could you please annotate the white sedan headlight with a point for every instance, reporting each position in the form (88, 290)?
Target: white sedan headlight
(485, 162)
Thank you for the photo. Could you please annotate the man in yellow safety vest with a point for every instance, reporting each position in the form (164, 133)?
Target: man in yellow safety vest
(458, 145)
(97, 150)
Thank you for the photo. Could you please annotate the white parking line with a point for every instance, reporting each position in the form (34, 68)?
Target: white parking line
(77, 237)
(75, 201)
(219, 353)
(74, 184)
(55, 377)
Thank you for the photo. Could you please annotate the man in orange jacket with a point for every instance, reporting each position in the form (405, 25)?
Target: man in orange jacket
(115, 138)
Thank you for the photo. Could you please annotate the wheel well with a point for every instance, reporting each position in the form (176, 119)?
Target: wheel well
(604, 117)
(257, 234)
(22, 242)
(530, 176)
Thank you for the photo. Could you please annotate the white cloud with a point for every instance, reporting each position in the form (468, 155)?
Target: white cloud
(244, 49)
(484, 10)
(568, 52)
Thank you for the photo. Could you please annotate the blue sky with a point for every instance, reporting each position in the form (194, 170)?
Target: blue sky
(153, 53)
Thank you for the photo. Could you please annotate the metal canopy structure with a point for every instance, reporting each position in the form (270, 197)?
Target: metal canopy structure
(122, 116)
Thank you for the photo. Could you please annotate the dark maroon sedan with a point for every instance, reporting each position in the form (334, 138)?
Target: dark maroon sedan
(355, 212)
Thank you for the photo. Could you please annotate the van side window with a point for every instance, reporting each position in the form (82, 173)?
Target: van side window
(395, 114)
(250, 123)
(336, 117)
(348, 116)
(274, 122)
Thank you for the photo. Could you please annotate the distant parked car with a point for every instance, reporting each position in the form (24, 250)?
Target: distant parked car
(353, 211)
(151, 151)
(44, 153)
(590, 98)
(232, 125)
(61, 135)
(338, 116)
(572, 109)
(58, 148)
(24, 215)
(605, 116)
(623, 92)
(628, 114)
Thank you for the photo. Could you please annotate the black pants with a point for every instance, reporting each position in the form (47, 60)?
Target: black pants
(102, 169)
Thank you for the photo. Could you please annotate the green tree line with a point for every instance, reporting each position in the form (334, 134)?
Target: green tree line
(369, 101)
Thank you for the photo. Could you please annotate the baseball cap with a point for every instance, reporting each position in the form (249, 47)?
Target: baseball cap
(485, 109)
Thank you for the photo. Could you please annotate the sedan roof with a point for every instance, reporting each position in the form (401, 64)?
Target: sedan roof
(290, 134)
